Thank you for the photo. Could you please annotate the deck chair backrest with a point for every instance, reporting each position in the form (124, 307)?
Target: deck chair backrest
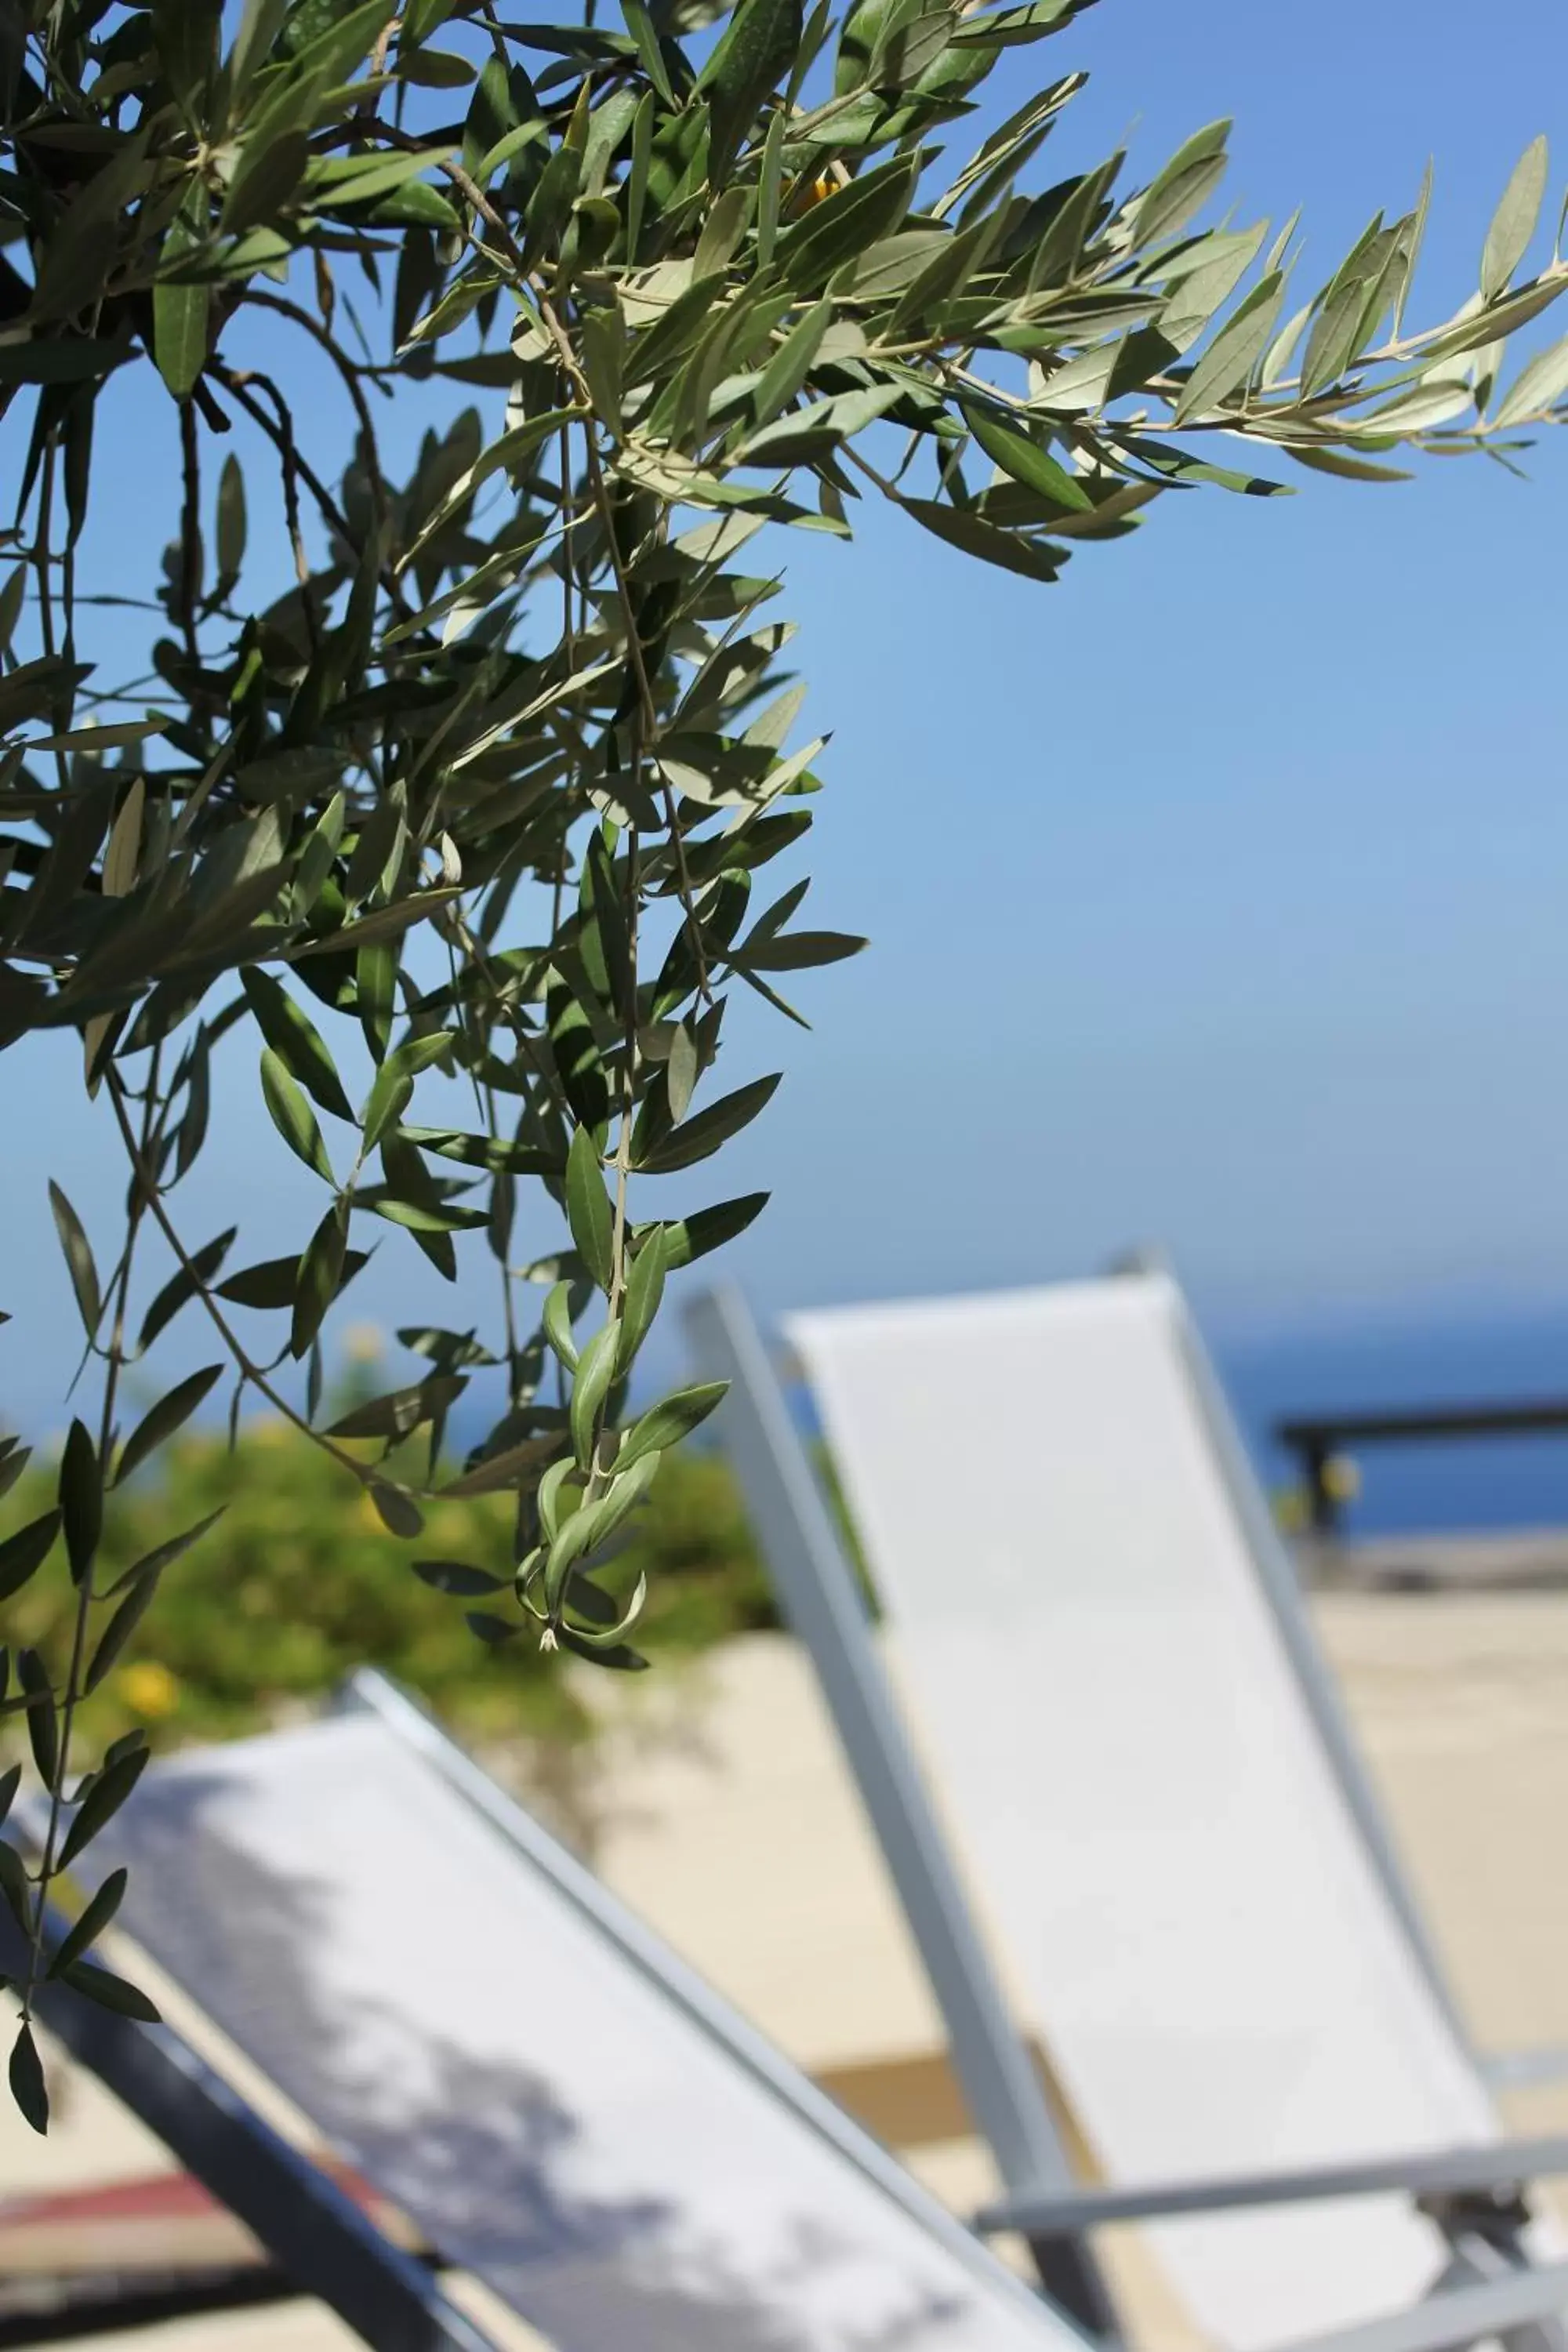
(467, 2017)
(1140, 1784)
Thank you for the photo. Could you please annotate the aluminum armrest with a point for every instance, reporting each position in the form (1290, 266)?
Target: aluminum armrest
(1499, 2164)
(1517, 2070)
(1445, 2322)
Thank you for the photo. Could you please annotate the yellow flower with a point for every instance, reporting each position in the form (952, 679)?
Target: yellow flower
(149, 1689)
(1341, 1478)
(363, 1343)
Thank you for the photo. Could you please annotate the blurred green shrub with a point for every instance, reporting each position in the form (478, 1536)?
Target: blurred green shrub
(298, 1582)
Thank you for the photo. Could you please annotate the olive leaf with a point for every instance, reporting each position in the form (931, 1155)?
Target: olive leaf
(291, 1115)
(162, 1419)
(588, 1208)
(79, 1259)
(295, 1040)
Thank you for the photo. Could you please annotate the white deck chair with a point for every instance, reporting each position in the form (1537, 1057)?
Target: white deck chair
(502, 2052)
(1142, 1758)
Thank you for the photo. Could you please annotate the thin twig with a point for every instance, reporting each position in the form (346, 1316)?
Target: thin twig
(243, 1362)
(601, 495)
(617, 1290)
(347, 371)
(85, 1593)
(469, 188)
(279, 430)
(239, 382)
(628, 1074)
(190, 530)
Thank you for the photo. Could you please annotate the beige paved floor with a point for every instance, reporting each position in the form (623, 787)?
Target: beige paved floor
(723, 1815)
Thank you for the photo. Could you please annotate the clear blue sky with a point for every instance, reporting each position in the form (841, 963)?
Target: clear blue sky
(1246, 926)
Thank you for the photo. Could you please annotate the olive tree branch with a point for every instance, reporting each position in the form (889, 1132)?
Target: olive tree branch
(190, 530)
(244, 1363)
(113, 1361)
(347, 371)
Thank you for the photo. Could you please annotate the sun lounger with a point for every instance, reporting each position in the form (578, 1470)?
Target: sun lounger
(473, 2023)
(1155, 1798)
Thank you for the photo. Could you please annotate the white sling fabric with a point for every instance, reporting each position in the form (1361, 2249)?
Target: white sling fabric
(1207, 1950)
(512, 2061)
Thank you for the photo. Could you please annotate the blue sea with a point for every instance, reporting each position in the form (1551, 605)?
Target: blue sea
(1408, 1362)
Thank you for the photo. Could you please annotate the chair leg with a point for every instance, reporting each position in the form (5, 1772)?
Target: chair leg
(1489, 2252)
(1070, 2276)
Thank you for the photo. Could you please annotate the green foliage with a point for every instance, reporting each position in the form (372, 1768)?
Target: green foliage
(294, 1590)
(493, 777)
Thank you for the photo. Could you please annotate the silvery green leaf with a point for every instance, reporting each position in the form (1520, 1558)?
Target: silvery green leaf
(1513, 223)
(1417, 410)
(644, 1288)
(697, 1137)
(1277, 359)
(557, 1322)
(456, 1577)
(1176, 192)
(692, 1237)
(28, 2087)
(112, 1992)
(1335, 461)
(667, 1423)
(231, 520)
(291, 1115)
(592, 1379)
(588, 1209)
(23, 1553)
(1025, 461)
(1499, 318)
(162, 1419)
(681, 1070)
(79, 1259)
(295, 1039)
(1537, 388)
